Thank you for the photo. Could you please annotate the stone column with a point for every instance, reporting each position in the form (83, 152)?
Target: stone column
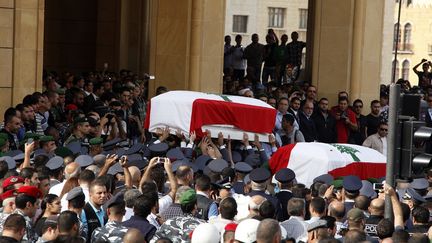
(348, 48)
(21, 49)
(186, 49)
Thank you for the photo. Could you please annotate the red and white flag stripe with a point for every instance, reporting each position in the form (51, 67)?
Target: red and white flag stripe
(309, 160)
(190, 111)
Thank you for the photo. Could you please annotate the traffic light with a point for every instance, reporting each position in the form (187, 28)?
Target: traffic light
(414, 160)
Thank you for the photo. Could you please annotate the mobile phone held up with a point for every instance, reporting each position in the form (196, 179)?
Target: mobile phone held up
(378, 186)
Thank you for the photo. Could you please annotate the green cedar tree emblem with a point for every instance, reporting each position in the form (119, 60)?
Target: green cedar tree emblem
(347, 150)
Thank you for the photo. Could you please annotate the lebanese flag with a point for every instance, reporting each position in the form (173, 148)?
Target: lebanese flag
(193, 111)
(309, 160)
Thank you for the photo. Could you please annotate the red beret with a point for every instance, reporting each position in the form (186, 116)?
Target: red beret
(31, 191)
(231, 227)
(12, 180)
(8, 194)
(71, 107)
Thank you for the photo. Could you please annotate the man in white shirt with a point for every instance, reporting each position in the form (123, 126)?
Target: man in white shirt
(378, 141)
(72, 170)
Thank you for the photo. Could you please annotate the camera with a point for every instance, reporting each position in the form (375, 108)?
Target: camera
(343, 116)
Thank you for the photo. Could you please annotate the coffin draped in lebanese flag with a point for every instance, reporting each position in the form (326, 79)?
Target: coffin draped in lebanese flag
(196, 111)
(309, 160)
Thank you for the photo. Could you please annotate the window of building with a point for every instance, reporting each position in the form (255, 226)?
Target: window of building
(405, 70)
(276, 17)
(396, 37)
(395, 65)
(240, 23)
(409, 2)
(303, 18)
(407, 37)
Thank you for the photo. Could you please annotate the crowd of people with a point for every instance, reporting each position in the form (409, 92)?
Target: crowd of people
(78, 166)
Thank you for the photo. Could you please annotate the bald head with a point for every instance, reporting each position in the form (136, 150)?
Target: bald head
(336, 209)
(255, 202)
(72, 170)
(133, 235)
(377, 207)
(135, 174)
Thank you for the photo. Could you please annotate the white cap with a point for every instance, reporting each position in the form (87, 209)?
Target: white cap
(205, 233)
(246, 230)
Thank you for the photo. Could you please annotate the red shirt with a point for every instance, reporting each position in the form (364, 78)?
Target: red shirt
(343, 129)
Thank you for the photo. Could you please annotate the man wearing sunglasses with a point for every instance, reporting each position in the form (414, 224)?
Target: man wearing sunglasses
(378, 141)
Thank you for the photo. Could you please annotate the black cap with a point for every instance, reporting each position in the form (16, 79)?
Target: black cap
(259, 175)
(285, 175)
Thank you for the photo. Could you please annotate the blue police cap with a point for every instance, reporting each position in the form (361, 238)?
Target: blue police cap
(19, 158)
(259, 175)
(13, 153)
(217, 165)
(367, 189)
(54, 163)
(158, 148)
(411, 194)
(84, 160)
(75, 147)
(243, 167)
(10, 162)
(285, 175)
(140, 162)
(115, 169)
(325, 178)
(352, 183)
(419, 184)
(75, 192)
(236, 156)
(175, 153)
(253, 160)
(202, 161)
(111, 144)
(115, 200)
(136, 148)
(39, 152)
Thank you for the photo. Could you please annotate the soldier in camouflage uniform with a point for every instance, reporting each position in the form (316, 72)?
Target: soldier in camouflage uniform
(178, 229)
(113, 231)
(28, 195)
(8, 199)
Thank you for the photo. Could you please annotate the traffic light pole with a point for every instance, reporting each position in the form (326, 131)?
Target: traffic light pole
(392, 143)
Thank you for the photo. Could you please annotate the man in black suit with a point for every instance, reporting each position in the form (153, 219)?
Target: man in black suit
(285, 178)
(94, 212)
(307, 124)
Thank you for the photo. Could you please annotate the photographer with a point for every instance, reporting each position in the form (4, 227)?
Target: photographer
(425, 77)
(346, 121)
(112, 125)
